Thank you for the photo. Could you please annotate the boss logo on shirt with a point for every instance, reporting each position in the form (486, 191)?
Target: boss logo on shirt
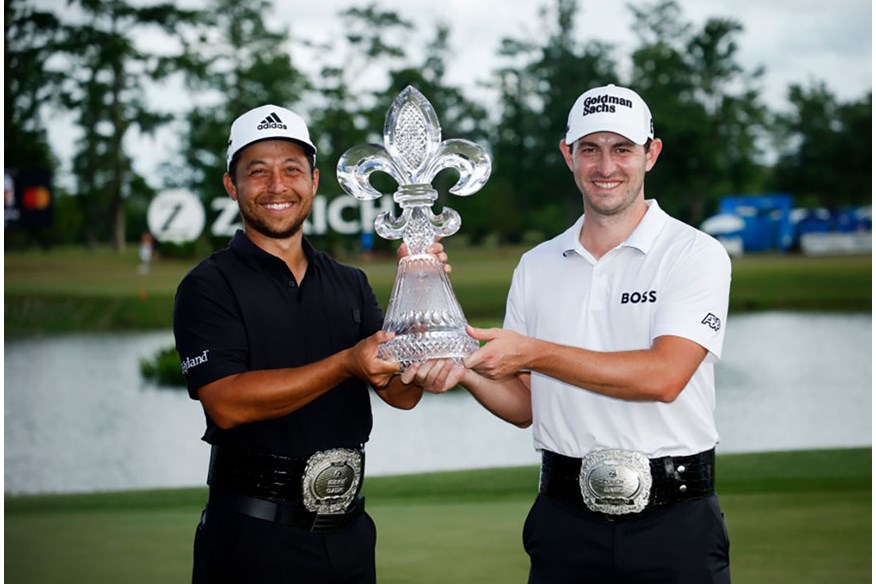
(712, 322)
(638, 297)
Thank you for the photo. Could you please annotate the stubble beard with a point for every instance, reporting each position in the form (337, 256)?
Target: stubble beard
(630, 196)
(263, 228)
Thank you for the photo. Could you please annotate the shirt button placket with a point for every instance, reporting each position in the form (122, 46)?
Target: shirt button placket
(597, 288)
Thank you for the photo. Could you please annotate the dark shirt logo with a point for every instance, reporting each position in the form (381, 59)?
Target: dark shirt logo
(638, 297)
(712, 322)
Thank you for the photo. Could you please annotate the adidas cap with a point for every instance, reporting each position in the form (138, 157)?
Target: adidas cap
(268, 122)
(610, 109)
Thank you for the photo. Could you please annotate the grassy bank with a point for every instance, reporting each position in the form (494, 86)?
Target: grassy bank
(795, 517)
(73, 290)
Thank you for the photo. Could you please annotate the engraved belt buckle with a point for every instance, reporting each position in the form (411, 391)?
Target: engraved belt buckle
(331, 481)
(615, 482)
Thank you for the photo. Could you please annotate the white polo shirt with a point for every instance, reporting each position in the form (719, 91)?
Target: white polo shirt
(667, 278)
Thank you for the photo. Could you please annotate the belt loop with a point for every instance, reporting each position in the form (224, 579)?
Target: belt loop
(316, 525)
(669, 467)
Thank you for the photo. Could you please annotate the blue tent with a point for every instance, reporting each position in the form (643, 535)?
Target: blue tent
(767, 220)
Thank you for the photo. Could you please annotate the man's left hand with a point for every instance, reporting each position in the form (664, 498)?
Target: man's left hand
(436, 249)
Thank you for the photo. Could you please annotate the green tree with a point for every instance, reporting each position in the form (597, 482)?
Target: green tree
(241, 63)
(825, 148)
(706, 109)
(348, 109)
(347, 113)
(107, 76)
(537, 85)
(31, 37)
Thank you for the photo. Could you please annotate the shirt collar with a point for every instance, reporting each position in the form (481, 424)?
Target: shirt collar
(570, 242)
(642, 237)
(646, 232)
(261, 260)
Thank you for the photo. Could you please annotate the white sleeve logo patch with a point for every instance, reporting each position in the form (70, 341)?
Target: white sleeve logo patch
(712, 321)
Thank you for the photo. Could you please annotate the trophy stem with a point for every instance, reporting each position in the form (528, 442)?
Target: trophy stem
(425, 316)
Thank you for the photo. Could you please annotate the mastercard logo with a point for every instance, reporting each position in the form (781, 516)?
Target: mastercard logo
(36, 198)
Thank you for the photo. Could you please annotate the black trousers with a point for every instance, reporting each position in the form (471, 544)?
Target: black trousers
(233, 548)
(685, 543)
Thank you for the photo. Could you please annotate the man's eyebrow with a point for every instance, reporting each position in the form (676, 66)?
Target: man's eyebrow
(622, 142)
(258, 161)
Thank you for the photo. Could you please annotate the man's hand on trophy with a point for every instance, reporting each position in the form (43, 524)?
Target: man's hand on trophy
(436, 249)
(503, 355)
(364, 363)
(434, 375)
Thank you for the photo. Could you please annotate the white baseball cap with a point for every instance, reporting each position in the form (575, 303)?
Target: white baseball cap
(610, 109)
(268, 122)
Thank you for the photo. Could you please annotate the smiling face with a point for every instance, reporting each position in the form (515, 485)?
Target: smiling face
(610, 170)
(274, 188)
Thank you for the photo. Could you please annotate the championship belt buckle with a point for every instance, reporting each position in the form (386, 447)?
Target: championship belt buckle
(331, 481)
(615, 482)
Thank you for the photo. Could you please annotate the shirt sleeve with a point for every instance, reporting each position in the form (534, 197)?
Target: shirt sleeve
(209, 331)
(515, 319)
(694, 302)
(372, 320)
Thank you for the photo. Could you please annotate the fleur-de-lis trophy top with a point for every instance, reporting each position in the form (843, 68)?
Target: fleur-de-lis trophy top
(413, 154)
(422, 311)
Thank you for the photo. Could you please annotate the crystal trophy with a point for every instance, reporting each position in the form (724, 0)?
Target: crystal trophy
(423, 312)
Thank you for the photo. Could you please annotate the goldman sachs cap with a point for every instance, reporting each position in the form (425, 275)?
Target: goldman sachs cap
(610, 109)
(268, 122)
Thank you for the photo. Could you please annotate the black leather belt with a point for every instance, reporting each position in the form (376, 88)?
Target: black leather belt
(267, 486)
(674, 479)
(284, 513)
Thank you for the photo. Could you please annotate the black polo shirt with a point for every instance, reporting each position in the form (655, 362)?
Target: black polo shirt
(242, 310)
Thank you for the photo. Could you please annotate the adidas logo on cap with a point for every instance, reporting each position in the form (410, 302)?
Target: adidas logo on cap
(272, 122)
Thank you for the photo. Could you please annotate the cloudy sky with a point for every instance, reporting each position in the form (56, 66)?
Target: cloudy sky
(796, 41)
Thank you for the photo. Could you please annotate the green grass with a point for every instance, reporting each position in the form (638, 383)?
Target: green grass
(74, 290)
(793, 517)
(801, 518)
(773, 282)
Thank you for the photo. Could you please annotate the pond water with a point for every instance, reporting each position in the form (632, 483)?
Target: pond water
(78, 418)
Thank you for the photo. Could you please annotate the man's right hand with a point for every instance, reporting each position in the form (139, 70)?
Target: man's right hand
(504, 354)
(364, 363)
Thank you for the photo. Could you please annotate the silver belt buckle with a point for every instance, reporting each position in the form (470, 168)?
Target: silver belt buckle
(615, 482)
(331, 480)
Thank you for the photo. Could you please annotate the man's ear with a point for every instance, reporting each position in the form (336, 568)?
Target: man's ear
(315, 180)
(229, 186)
(566, 150)
(653, 152)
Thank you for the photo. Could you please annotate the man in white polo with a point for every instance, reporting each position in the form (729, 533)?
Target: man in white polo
(611, 333)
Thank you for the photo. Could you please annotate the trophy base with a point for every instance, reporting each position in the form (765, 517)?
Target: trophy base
(411, 348)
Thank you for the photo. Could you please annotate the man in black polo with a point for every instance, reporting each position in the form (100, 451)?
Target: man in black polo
(279, 343)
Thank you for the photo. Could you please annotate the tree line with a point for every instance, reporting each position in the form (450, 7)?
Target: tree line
(720, 136)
